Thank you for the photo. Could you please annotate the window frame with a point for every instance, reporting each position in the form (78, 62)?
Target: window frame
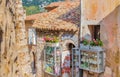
(94, 31)
(32, 41)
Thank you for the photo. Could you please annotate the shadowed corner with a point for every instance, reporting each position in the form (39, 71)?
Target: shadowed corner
(1, 32)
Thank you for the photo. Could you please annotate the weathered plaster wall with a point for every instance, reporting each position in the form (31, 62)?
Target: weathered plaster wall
(14, 55)
(40, 49)
(105, 13)
(118, 39)
(110, 37)
(93, 12)
(98, 9)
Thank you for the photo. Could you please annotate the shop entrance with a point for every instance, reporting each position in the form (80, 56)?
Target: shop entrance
(67, 59)
(70, 46)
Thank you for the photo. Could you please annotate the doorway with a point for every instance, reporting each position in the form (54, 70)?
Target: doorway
(70, 46)
(67, 58)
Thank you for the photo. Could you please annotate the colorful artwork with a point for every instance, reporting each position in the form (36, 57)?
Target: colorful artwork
(75, 62)
(52, 60)
(66, 62)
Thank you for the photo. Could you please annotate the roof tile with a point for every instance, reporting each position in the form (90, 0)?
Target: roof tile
(66, 16)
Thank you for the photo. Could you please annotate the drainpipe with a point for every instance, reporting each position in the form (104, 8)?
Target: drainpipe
(80, 36)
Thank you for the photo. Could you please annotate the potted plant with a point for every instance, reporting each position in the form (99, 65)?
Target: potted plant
(85, 44)
(52, 40)
(96, 44)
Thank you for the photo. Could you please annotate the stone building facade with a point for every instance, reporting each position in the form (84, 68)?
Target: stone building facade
(61, 20)
(106, 14)
(15, 59)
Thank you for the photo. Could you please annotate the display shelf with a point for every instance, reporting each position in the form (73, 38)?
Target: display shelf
(92, 60)
(50, 73)
(75, 62)
(52, 59)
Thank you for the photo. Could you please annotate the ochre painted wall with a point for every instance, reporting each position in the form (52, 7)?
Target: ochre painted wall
(97, 9)
(105, 13)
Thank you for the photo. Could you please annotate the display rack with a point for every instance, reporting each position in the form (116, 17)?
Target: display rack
(75, 62)
(92, 60)
(52, 59)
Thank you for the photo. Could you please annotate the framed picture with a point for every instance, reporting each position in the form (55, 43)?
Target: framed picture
(32, 36)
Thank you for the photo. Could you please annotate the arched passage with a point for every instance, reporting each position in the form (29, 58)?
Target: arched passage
(70, 46)
(67, 46)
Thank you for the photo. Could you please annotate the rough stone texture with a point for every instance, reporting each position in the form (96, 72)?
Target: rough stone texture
(15, 58)
(107, 15)
(108, 72)
(64, 17)
(85, 74)
(40, 58)
(40, 50)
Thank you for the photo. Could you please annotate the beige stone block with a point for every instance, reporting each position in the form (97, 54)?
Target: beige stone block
(108, 72)
(85, 74)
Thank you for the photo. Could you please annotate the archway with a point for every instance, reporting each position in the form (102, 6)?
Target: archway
(67, 45)
(70, 46)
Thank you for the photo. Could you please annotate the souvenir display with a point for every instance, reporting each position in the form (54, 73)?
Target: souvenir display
(52, 60)
(66, 63)
(75, 62)
(92, 60)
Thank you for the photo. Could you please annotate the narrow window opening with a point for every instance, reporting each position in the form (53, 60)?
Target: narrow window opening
(32, 36)
(95, 31)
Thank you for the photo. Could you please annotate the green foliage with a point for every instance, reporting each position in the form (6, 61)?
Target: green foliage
(38, 2)
(92, 43)
(32, 6)
(100, 43)
(55, 39)
(85, 42)
(32, 9)
(96, 42)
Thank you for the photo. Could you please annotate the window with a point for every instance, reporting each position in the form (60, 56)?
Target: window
(95, 31)
(31, 36)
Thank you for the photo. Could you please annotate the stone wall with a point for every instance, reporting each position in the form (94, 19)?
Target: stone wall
(14, 53)
(107, 15)
(40, 49)
(40, 55)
